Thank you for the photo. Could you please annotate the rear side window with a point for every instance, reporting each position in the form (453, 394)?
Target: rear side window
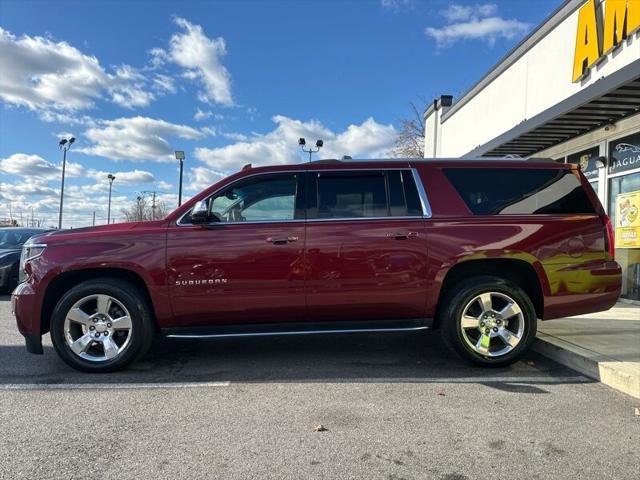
(363, 194)
(346, 195)
(519, 191)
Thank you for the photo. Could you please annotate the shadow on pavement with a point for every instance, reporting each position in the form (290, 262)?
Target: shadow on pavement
(356, 358)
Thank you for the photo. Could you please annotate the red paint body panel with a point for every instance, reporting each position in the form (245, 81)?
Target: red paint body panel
(334, 270)
(258, 281)
(359, 270)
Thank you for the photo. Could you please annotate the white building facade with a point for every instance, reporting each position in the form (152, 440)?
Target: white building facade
(569, 91)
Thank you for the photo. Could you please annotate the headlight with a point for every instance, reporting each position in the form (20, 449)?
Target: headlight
(30, 251)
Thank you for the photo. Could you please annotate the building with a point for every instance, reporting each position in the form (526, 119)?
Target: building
(569, 91)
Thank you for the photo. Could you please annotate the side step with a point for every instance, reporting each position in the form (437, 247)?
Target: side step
(297, 328)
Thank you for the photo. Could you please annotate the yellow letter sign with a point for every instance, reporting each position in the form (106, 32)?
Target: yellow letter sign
(587, 45)
(621, 19)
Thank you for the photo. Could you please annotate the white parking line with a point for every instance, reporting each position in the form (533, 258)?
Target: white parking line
(108, 386)
(540, 380)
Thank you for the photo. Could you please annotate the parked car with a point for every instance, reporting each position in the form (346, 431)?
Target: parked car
(480, 249)
(11, 241)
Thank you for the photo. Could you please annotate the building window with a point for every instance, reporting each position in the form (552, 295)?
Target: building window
(624, 210)
(587, 161)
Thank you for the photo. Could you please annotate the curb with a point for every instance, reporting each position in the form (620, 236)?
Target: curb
(623, 376)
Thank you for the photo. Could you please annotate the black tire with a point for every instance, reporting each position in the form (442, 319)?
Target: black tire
(452, 309)
(142, 326)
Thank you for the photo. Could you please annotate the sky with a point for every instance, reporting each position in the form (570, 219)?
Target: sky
(228, 82)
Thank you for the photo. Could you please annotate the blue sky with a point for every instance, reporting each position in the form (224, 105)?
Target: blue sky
(228, 82)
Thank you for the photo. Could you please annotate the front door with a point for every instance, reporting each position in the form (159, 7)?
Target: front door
(246, 265)
(366, 246)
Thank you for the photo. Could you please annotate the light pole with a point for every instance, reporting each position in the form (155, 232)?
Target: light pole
(180, 157)
(65, 145)
(153, 202)
(319, 144)
(111, 179)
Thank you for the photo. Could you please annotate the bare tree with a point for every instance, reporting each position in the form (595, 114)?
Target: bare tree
(142, 210)
(410, 139)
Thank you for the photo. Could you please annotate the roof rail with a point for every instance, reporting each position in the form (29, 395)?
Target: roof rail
(326, 160)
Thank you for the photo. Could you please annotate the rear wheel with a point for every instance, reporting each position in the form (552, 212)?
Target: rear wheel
(101, 326)
(488, 320)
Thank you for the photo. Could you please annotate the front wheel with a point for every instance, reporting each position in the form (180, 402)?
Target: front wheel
(101, 326)
(488, 320)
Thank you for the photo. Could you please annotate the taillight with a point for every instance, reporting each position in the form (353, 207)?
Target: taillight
(609, 239)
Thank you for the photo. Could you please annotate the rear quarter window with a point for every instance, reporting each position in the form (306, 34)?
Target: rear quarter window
(520, 191)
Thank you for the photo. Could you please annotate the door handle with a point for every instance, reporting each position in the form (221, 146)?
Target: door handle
(403, 235)
(282, 240)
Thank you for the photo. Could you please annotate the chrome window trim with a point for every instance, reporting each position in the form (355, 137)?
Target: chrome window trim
(422, 194)
(424, 200)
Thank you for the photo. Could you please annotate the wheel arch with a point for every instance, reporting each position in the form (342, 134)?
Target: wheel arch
(65, 281)
(520, 272)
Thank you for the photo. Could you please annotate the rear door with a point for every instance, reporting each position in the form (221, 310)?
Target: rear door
(366, 245)
(246, 266)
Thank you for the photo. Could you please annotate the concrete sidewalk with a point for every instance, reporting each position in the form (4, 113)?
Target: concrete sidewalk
(604, 346)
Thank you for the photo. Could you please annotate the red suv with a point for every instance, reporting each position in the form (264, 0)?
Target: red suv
(478, 248)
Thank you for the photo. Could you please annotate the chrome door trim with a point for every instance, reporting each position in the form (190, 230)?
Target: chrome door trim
(295, 332)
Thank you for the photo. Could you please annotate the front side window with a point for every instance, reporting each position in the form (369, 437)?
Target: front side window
(263, 198)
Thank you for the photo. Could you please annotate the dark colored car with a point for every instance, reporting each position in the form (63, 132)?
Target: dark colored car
(11, 241)
(480, 249)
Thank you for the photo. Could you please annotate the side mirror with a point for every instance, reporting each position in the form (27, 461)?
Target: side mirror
(200, 213)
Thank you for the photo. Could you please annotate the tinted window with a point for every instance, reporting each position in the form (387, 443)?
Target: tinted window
(261, 198)
(15, 238)
(364, 194)
(349, 195)
(519, 191)
(411, 194)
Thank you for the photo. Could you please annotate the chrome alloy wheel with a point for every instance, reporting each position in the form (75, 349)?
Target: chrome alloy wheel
(492, 324)
(97, 328)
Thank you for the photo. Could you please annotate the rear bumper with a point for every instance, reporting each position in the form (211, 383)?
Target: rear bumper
(23, 306)
(578, 291)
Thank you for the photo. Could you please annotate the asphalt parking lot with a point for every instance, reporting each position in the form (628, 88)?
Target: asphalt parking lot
(395, 407)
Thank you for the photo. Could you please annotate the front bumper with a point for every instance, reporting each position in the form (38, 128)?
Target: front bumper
(23, 307)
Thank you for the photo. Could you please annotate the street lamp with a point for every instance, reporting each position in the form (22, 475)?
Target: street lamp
(111, 179)
(319, 144)
(64, 145)
(180, 156)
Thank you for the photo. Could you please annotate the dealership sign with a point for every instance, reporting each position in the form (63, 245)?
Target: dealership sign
(598, 34)
(624, 153)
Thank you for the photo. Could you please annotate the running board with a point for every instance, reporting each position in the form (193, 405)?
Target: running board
(283, 329)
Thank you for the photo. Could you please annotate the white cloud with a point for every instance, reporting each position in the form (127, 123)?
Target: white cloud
(35, 167)
(200, 57)
(138, 138)
(201, 115)
(280, 146)
(162, 185)
(238, 137)
(475, 22)
(164, 83)
(201, 178)
(41, 74)
(456, 13)
(133, 177)
(396, 5)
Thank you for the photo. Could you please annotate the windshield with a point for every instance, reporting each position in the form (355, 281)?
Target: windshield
(13, 239)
